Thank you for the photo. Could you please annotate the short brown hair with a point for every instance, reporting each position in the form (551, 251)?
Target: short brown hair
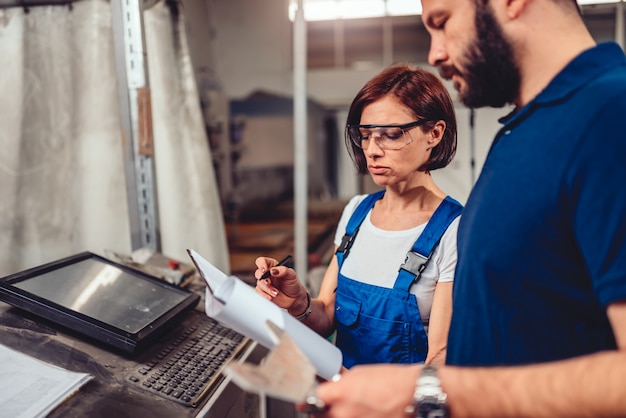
(423, 93)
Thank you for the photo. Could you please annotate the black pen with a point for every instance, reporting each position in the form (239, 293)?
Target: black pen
(280, 263)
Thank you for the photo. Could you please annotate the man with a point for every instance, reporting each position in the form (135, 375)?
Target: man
(539, 315)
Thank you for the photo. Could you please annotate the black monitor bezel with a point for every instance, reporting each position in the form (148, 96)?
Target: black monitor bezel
(112, 336)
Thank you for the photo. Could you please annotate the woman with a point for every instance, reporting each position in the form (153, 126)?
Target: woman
(400, 127)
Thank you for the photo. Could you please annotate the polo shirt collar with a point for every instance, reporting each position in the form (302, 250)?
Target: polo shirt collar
(580, 71)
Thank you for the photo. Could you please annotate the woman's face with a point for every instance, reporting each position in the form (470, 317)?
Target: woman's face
(393, 167)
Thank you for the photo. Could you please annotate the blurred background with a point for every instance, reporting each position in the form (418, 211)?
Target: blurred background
(174, 124)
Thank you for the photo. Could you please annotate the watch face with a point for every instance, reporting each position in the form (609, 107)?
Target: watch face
(429, 397)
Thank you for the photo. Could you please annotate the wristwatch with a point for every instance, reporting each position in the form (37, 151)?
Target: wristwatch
(429, 400)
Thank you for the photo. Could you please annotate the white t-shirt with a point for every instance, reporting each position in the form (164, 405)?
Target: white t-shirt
(376, 256)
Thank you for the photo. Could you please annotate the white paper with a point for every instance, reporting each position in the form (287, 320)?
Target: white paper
(235, 304)
(32, 388)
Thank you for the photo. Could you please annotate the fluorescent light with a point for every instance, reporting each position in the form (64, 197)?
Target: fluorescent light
(321, 10)
(404, 8)
(353, 9)
(339, 9)
(585, 2)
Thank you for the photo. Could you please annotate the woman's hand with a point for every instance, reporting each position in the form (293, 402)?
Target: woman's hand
(282, 286)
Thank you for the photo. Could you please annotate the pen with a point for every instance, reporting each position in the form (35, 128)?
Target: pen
(280, 263)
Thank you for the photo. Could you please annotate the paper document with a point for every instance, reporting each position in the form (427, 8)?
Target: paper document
(237, 305)
(285, 374)
(32, 388)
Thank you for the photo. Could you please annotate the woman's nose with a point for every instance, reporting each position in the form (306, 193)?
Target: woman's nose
(374, 140)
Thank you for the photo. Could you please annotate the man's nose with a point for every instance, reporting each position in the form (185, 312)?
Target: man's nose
(437, 53)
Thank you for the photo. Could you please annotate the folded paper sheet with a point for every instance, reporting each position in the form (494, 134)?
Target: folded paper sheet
(235, 304)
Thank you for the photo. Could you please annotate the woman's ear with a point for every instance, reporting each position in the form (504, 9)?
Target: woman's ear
(436, 133)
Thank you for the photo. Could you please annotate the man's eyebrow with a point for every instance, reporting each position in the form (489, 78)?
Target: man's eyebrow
(428, 20)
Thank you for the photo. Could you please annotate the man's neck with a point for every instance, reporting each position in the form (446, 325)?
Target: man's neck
(547, 47)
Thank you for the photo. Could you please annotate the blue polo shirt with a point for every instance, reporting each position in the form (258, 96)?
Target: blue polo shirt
(542, 240)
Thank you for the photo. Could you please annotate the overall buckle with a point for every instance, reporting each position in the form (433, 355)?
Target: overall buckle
(414, 263)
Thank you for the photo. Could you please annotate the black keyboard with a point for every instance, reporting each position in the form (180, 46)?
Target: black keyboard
(187, 368)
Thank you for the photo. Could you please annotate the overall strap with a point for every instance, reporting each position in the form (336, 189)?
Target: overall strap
(417, 258)
(355, 221)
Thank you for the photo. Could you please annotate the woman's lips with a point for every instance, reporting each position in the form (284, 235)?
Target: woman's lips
(376, 169)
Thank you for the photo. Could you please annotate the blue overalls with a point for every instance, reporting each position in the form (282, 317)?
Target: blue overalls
(381, 325)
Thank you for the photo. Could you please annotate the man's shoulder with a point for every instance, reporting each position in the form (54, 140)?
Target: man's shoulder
(608, 70)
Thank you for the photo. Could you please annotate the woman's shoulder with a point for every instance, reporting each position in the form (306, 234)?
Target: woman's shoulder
(348, 210)
(354, 202)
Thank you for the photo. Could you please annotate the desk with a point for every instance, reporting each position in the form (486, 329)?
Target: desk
(108, 394)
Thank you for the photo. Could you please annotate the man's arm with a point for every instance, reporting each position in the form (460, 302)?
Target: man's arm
(586, 386)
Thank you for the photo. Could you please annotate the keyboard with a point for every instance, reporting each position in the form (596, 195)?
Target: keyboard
(187, 367)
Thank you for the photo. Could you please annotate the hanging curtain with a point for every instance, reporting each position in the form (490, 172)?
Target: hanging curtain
(62, 164)
(190, 212)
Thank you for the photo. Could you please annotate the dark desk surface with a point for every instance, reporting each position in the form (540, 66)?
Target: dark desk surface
(108, 394)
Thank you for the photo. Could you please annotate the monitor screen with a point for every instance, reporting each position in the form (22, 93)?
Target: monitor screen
(92, 295)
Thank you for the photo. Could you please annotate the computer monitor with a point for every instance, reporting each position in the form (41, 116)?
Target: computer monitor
(117, 305)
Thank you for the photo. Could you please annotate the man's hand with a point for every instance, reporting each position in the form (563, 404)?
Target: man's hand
(372, 391)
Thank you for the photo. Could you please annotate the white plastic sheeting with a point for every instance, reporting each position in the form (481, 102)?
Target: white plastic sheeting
(62, 181)
(190, 213)
(61, 162)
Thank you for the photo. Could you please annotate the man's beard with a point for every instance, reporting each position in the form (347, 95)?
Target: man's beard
(492, 77)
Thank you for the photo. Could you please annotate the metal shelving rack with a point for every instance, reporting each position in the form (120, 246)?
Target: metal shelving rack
(136, 119)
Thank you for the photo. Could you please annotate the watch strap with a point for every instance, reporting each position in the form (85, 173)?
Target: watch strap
(308, 309)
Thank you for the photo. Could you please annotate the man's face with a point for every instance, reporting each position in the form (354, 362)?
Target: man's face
(468, 46)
